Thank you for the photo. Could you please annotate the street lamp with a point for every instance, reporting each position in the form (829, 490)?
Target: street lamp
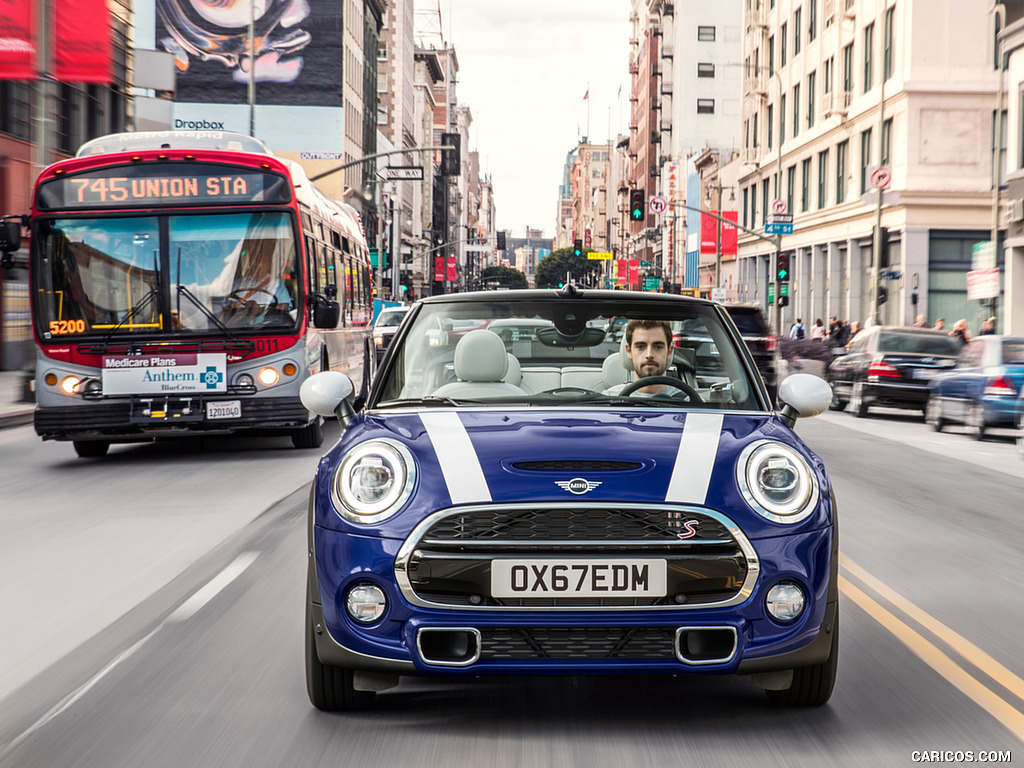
(718, 188)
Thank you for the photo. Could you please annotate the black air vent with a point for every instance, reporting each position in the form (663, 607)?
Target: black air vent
(577, 466)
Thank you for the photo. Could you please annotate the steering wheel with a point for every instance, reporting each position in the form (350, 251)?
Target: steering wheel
(242, 295)
(646, 381)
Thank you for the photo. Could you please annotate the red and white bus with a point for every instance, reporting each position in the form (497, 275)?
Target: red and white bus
(188, 282)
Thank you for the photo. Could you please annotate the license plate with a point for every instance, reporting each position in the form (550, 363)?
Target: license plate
(611, 577)
(923, 373)
(226, 409)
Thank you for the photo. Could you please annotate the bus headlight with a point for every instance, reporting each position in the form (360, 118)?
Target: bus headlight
(777, 482)
(373, 481)
(268, 376)
(70, 384)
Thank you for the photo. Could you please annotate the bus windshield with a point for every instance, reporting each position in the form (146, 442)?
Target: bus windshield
(166, 274)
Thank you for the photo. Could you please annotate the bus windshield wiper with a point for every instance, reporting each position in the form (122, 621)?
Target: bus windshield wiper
(183, 291)
(135, 309)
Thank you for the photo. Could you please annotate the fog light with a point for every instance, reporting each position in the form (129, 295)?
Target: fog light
(289, 369)
(245, 381)
(51, 379)
(365, 603)
(785, 601)
(70, 384)
(268, 377)
(93, 387)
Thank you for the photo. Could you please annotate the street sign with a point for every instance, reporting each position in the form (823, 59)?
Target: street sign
(779, 224)
(890, 274)
(983, 284)
(657, 204)
(771, 293)
(983, 256)
(778, 206)
(652, 283)
(718, 294)
(594, 255)
(881, 176)
(402, 172)
(646, 263)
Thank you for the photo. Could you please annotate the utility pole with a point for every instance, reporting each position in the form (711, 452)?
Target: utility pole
(1000, 10)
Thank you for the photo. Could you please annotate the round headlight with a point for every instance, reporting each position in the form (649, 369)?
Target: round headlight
(70, 384)
(366, 603)
(268, 377)
(785, 601)
(373, 480)
(777, 482)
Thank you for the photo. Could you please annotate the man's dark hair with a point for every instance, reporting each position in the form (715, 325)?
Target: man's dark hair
(634, 324)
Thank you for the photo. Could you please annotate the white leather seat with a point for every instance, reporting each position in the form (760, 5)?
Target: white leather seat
(481, 363)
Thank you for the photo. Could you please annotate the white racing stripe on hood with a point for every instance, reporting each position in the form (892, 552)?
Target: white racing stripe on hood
(695, 460)
(457, 457)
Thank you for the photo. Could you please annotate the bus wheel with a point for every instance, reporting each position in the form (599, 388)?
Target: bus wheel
(91, 449)
(310, 436)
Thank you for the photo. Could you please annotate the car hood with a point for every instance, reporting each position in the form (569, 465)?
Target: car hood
(487, 456)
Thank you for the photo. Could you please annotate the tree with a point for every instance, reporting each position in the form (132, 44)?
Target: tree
(552, 269)
(505, 277)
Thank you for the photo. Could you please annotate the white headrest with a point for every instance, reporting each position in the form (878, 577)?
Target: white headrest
(612, 372)
(625, 360)
(480, 356)
(514, 374)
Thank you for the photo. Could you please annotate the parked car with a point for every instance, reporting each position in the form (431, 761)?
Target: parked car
(465, 525)
(890, 366)
(388, 321)
(982, 390)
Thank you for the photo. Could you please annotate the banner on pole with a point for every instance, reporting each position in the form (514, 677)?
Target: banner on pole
(17, 40)
(83, 48)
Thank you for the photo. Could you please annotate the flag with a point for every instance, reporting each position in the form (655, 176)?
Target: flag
(84, 49)
(17, 41)
(586, 95)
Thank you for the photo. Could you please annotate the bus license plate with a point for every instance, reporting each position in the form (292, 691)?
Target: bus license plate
(225, 409)
(611, 577)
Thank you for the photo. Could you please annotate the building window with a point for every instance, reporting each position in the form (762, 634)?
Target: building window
(796, 109)
(797, 16)
(705, 106)
(865, 159)
(382, 50)
(764, 197)
(886, 142)
(705, 70)
(790, 186)
(746, 201)
(842, 150)
(771, 55)
(805, 185)
(382, 82)
(769, 123)
(848, 68)
(811, 80)
(754, 133)
(782, 46)
(812, 20)
(782, 120)
(869, 44)
(706, 34)
(822, 178)
(887, 44)
(826, 85)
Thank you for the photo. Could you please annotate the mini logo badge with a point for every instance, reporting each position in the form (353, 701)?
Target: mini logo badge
(577, 485)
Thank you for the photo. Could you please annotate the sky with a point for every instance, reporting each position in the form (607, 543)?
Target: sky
(524, 68)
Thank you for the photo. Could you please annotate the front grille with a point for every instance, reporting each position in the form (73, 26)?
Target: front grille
(446, 562)
(577, 466)
(505, 643)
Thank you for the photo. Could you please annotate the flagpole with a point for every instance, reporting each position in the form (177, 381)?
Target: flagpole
(588, 111)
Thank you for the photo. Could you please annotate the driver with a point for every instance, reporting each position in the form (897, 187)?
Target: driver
(649, 346)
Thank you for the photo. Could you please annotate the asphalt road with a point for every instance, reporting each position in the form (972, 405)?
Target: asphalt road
(206, 668)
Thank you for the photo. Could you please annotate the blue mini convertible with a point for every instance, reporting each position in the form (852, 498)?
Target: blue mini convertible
(521, 491)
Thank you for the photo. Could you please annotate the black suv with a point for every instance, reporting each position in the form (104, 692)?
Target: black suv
(762, 343)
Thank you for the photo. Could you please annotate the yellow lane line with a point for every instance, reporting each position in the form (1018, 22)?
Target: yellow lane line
(958, 643)
(931, 655)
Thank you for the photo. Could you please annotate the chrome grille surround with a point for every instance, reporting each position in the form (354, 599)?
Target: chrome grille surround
(487, 549)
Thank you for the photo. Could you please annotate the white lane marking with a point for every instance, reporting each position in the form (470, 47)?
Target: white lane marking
(189, 608)
(457, 457)
(695, 459)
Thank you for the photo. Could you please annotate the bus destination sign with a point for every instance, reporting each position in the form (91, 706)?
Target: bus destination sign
(163, 184)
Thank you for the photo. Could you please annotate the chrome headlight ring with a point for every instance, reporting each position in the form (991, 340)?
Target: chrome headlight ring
(372, 481)
(777, 482)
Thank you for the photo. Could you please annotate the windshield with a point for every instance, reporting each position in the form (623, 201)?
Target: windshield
(554, 352)
(390, 319)
(112, 276)
(919, 343)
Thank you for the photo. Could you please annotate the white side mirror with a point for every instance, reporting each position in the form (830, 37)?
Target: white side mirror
(804, 395)
(323, 392)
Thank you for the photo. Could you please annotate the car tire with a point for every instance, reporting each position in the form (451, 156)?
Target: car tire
(91, 449)
(933, 414)
(838, 403)
(974, 422)
(311, 435)
(330, 688)
(857, 404)
(811, 686)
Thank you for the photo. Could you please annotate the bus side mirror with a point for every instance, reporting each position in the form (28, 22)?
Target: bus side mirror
(326, 313)
(10, 239)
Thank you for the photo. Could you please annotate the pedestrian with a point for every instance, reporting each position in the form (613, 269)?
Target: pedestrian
(960, 331)
(870, 321)
(841, 335)
(854, 330)
(797, 330)
(833, 325)
(818, 330)
(940, 325)
(988, 327)
(921, 322)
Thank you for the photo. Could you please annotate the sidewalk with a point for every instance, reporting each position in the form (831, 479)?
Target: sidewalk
(13, 410)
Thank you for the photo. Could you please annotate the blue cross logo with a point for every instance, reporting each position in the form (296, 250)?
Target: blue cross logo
(212, 377)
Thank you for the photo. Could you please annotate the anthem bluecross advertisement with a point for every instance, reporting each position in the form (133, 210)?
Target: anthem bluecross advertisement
(298, 50)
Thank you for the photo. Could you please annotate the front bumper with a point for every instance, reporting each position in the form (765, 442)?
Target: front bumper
(596, 641)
